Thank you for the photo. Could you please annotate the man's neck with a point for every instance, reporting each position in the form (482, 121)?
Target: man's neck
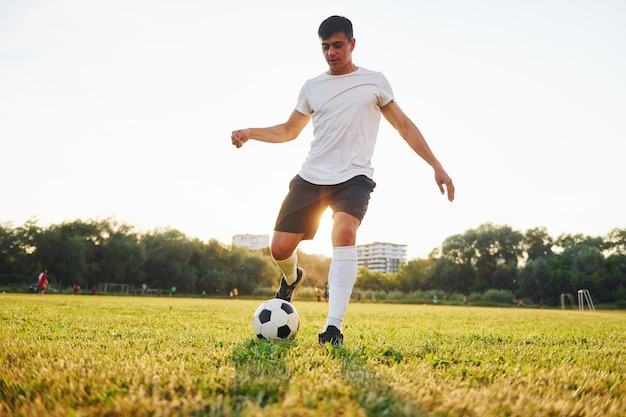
(350, 68)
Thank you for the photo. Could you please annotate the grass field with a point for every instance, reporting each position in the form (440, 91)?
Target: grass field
(65, 355)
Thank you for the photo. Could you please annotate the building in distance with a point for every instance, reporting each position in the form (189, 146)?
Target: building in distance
(252, 242)
(381, 256)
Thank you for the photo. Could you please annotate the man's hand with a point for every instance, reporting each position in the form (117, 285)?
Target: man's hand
(239, 137)
(442, 179)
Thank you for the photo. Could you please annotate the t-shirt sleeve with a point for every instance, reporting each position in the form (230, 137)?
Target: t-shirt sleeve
(385, 95)
(303, 105)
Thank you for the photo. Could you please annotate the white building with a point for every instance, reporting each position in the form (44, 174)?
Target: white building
(253, 242)
(381, 256)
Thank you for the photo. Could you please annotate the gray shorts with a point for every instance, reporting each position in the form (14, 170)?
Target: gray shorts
(305, 203)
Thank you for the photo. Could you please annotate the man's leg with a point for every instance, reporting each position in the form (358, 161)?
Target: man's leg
(283, 251)
(285, 243)
(343, 268)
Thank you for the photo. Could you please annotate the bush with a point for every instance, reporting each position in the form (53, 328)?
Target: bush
(373, 296)
(264, 292)
(397, 296)
(499, 296)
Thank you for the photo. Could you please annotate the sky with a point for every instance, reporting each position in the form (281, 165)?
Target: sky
(123, 109)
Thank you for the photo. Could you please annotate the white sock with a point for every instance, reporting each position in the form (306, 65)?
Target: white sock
(341, 278)
(288, 267)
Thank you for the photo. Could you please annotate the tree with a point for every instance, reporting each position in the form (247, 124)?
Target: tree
(579, 266)
(490, 252)
(68, 251)
(316, 267)
(537, 243)
(9, 255)
(256, 271)
(532, 279)
(371, 281)
(122, 257)
(412, 275)
(614, 279)
(449, 276)
(498, 250)
(616, 241)
(167, 260)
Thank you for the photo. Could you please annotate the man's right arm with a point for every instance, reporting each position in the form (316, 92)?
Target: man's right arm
(283, 132)
(411, 134)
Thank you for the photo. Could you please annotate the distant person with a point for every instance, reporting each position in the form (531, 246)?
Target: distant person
(435, 299)
(94, 289)
(345, 104)
(235, 293)
(173, 291)
(326, 292)
(42, 282)
(464, 300)
(76, 288)
(318, 293)
(144, 289)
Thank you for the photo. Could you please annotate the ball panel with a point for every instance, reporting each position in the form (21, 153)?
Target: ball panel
(287, 307)
(279, 317)
(265, 316)
(269, 330)
(284, 332)
(273, 304)
(293, 321)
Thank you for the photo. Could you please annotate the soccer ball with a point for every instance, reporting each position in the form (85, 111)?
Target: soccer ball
(276, 319)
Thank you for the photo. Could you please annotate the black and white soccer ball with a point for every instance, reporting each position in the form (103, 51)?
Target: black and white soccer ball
(276, 319)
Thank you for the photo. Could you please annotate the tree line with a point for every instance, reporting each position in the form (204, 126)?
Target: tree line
(88, 253)
(530, 264)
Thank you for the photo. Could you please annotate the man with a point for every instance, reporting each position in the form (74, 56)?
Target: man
(42, 281)
(345, 104)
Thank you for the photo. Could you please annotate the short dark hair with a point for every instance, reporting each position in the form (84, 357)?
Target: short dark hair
(335, 24)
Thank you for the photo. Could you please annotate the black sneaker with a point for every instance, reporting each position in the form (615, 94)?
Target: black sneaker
(332, 335)
(285, 292)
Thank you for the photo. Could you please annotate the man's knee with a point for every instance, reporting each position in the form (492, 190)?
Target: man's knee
(280, 253)
(284, 244)
(345, 227)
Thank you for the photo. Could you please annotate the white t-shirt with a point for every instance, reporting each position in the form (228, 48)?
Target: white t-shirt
(345, 111)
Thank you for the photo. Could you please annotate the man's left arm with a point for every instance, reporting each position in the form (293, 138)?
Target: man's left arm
(412, 135)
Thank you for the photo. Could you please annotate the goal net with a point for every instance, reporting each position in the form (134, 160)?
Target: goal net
(109, 288)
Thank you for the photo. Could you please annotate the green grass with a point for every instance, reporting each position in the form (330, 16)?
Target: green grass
(65, 355)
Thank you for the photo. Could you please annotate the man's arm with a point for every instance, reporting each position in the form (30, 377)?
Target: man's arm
(411, 134)
(283, 132)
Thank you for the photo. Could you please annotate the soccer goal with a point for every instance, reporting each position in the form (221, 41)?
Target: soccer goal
(567, 297)
(585, 297)
(109, 288)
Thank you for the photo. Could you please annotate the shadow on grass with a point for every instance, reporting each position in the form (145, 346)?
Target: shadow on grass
(262, 379)
(375, 396)
(262, 374)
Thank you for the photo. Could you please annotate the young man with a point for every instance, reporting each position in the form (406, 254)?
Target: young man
(42, 281)
(345, 104)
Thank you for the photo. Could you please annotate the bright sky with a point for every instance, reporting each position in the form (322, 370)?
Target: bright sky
(124, 108)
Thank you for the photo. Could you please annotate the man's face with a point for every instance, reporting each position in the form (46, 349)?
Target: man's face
(338, 53)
